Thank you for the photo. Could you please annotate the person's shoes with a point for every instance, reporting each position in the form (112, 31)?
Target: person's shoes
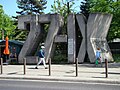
(46, 67)
(36, 67)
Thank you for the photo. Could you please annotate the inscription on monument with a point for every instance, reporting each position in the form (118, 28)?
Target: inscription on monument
(70, 46)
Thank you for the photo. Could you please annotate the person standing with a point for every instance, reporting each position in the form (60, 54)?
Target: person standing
(41, 58)
(98, 56)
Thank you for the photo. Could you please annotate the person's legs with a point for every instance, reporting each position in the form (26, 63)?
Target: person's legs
(43, 60)
(96, 62)
(39, 61)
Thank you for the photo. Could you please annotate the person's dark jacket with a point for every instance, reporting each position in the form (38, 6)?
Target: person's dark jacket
(41, 53)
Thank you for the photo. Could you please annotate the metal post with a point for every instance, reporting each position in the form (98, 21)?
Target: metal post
(76, 67)
(106, 68)
(24, 65)
(1, 65)
(49, 66)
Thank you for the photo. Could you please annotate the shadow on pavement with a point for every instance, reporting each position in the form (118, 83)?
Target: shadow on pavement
(32, 68)
(12, 73)
(111, 73)
(98, 77)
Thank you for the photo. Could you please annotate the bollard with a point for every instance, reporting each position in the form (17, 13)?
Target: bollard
(1, 65)
(24, 60)
(106, 68)
(49, 66)
(76, 67)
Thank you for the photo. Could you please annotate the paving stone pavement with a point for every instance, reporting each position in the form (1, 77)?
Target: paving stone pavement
(64, 72)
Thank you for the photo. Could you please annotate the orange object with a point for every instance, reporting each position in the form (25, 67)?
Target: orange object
(6, 50)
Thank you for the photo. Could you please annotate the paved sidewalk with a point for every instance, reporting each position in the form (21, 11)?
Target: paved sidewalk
(86, 73)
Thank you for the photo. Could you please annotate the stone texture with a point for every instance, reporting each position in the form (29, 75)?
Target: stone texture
(94, 33)
(71, 38)
(60, 38)
(82, 25)
(22, 20)
(55, 25)
(32, 59)
(97, 29)
(32, 42)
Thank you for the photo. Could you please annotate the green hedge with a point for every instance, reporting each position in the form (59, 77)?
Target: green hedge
(116, 57)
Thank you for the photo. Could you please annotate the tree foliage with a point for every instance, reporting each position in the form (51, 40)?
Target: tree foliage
(28, 7)
(6, 24)
(31, 6)
(63, 7)
(112, 7)
(85, 8)
(1, 15)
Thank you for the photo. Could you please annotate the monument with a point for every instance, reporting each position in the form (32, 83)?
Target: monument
(93, 31)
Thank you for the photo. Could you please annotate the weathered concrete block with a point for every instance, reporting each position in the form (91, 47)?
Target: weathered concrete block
(55, 25)
(45, 18)
(31, 59)
(32, 42)
(97, 29)
(71, 38)
(22, 20)
(60, 38)
(81, 20)
(94, 33)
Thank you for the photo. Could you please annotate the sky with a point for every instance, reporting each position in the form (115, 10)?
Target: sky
(10, 6)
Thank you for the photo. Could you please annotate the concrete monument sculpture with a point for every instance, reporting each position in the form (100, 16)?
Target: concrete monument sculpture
(94, 32)
(32, 42)
(97, 28)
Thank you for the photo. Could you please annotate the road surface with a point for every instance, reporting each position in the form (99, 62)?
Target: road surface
(50, 85)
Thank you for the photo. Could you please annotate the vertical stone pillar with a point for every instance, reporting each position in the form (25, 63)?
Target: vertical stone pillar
(83, 47)
(55, 25)
(71, 38)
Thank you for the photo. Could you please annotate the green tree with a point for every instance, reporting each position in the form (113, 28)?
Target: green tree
(19, 34)
(112, 7)
(85, 8)
(63, 7)
(6, 25)
(28, 7)
(1, 14)
(1, 20)
(31, 6)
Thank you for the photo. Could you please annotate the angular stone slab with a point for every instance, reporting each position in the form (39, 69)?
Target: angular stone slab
(83, 47)
(97, 29)
(71, 38)
(32, 42)
(60, 38)
(22, 20)
(55, 25)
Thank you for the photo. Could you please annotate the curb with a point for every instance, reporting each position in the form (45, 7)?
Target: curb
(65, 79)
